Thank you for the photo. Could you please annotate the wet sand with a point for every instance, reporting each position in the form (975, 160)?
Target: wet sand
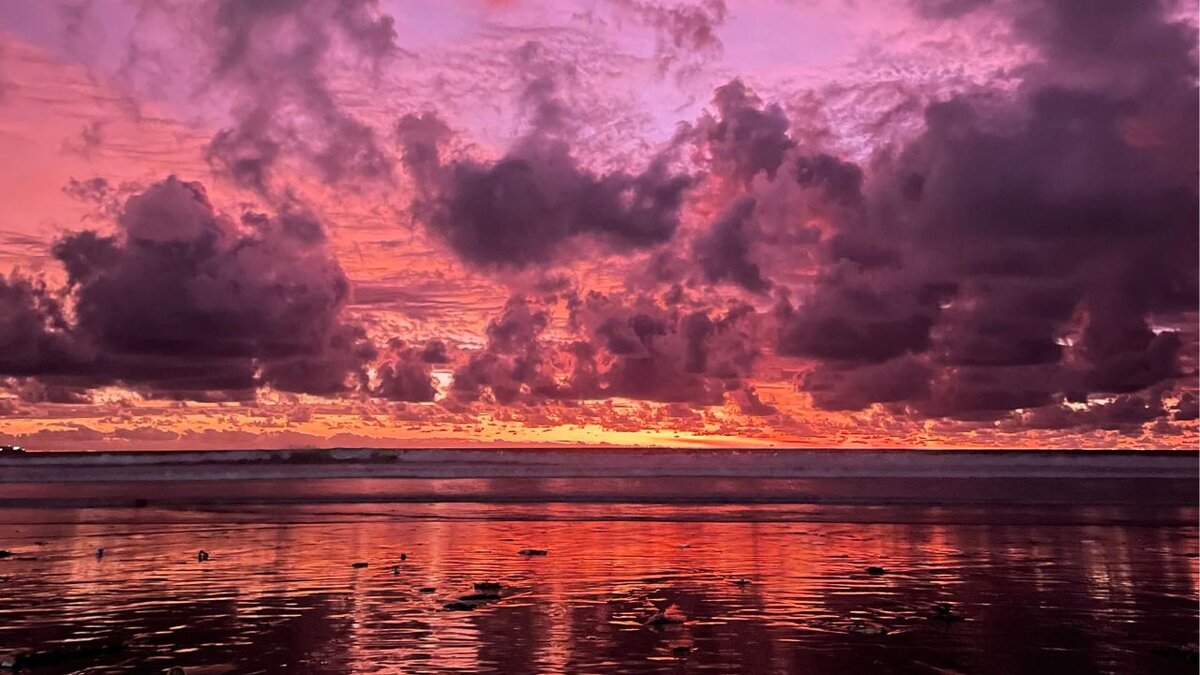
(1088, 589)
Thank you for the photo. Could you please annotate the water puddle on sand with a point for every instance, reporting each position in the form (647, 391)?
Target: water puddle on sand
(738, 590)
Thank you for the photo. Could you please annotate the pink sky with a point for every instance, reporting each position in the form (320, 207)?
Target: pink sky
(623, 221)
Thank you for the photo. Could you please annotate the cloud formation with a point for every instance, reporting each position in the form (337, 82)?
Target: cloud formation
(1012, 250)
(526, 207)
(641, 350)
(405, 372)
(1017, 251)
(650, 351)
(687, 32)
(182, 301)
(276, 63)
(35, 336)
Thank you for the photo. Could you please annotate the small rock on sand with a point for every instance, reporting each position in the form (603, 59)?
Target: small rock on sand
(359, 565)
(531, 551)
(459, 605)
(6, 554)
(741, 582)
(427, 589)
(876, 571)
(487, 586)
(202, 555)
(947, 616)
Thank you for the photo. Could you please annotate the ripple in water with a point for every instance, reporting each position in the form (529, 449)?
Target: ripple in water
(747, 590)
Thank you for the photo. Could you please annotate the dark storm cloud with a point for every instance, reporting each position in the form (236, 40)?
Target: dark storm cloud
(841, 181)
(274, 59)
(522, 209)
(35, 337)
(1188, 408)
(723, 251)
(784, 190)
(515, 361)
(1018, 250)
(1007, 322)
(745, 138)
(639, 350)
(405, 373)
(183, 299)
(652, 352)
(1122, 352)
(901, 379)
(985, 393)
(749, 403)
(434, 352)
(855, 317)
(1126, 413)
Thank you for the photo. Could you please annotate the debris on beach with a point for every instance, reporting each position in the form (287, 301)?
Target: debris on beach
(867, 628)
(487, 585)
(202, 556)
(427, 589)
(670, 615)
(876, 571)
(459, 605)
(531, 552)
(681, 650)
(5, 554)
(359, 565)
(403, 557)
(943, 613)
(99, 553)
(741, 582)
(395, 570)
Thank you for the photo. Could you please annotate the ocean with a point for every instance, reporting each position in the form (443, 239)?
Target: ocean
(773, 561)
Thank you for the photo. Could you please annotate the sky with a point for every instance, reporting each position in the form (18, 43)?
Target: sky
(398, 223)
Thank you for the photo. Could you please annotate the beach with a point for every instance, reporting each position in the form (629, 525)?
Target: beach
(827, 565)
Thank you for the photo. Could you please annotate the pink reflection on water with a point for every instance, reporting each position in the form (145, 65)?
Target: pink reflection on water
(280, 589)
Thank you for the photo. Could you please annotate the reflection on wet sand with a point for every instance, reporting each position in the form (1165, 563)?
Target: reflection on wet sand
(1067, 599)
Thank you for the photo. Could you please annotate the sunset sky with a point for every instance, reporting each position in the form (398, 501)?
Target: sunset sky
(278, 223)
